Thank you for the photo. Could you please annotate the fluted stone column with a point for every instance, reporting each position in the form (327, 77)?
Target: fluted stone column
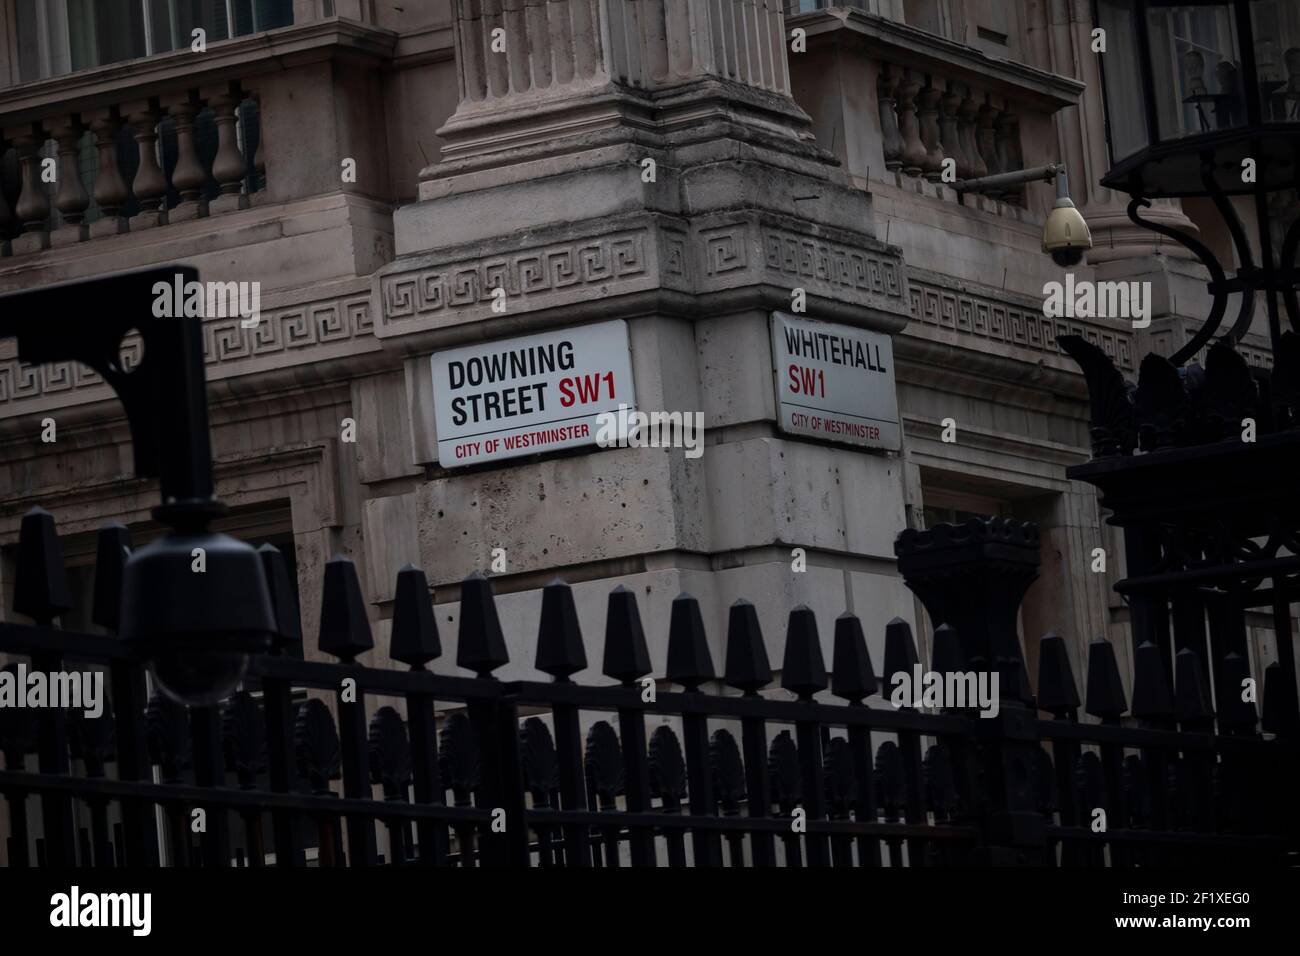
(571, 67)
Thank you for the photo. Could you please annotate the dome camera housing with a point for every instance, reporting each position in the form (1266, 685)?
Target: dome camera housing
(1065, 234)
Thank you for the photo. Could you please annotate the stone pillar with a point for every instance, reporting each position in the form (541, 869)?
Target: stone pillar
(642, 160)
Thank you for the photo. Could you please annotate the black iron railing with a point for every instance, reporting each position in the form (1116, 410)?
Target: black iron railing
(335, 763)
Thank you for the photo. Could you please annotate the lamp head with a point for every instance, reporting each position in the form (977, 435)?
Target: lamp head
(196, 604)
(1066, 236)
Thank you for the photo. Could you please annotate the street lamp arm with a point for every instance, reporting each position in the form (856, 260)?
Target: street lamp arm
(1217, 277)
(163, 394)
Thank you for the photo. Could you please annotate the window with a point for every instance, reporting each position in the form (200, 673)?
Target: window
(60, 36)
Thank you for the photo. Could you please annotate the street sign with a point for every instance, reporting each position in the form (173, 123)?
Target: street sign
(835, 382)
(528, 395)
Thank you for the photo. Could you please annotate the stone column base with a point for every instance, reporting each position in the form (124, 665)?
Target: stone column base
(187, 211)
(70, 235)
(110, 226)
(30, 242)
(228, 203)
(148, 219)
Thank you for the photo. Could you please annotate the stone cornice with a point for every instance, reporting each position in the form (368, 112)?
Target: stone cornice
(710, 254)
(242, 58)
(908, 46)
(337, 327)
(1007, 322)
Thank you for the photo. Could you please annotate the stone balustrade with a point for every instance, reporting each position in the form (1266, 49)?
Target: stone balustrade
(82, 174)
(926, 119)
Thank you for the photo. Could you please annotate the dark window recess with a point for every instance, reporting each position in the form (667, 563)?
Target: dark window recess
(992, 36)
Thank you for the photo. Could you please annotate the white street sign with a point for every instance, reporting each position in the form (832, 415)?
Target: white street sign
(835, 382)
(528, 395)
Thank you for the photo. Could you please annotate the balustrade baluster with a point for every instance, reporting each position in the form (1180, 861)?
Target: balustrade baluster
(953, 148)
(150, 185)
(33, 207)
(967, 124)
(188, 176)
(109, 189)
(887, 100)
(71, 199)
(229, 166)
(928, 112)
(914, 152)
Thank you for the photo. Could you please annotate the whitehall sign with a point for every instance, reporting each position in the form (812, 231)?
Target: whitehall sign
(529, 395)
(835, 382)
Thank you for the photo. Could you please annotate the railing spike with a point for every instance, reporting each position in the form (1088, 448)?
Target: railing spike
(40, 581)
(803, 669)
(1191, 692)
(852, 676)
(946, 655)
(689, 661)
(1057, 692)
(747, 667)
(1236, 713)
(626, 656)
(900, 650)
(1279, 711)
(344, 627)
(560, 652)
(113, 546)
(1105, 700)
(415, 639)
(1151, 697)
(480, 647)
(284, 597)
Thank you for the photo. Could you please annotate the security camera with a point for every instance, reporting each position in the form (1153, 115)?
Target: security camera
(1065, 234)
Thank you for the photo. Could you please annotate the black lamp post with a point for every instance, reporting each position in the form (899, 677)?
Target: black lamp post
(194, 601)
(1203, 99)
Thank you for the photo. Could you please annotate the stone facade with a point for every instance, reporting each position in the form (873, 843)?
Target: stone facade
(522, 168)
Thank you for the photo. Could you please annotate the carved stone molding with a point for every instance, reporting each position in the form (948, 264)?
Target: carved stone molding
(1010, 320)
(287, 335)
(445, 293)
(710, 256)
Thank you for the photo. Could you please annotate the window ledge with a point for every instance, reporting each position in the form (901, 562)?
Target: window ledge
(258, 53)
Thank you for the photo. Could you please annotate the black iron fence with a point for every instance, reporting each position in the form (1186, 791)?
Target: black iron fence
(334, 763)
